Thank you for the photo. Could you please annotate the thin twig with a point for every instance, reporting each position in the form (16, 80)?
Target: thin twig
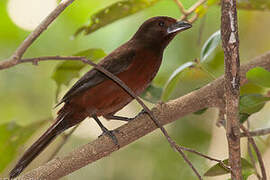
(252, 158)
(188, 12)
(193, 19)
(253, 162)
(180, 150)
(180, 6)
(207, 157)
(195, 6)
(259, 132)
(35, 34)
(257, 151)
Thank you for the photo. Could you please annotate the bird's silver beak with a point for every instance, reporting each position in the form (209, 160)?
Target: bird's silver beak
(178, 26)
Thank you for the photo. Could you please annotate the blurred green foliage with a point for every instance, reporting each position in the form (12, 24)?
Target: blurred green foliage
(259, 76)
(254, 5)
(27, 92)
(250, 104)
(152, 94)
(13, 136)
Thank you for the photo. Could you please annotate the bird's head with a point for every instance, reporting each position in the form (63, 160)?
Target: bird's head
(160, 30)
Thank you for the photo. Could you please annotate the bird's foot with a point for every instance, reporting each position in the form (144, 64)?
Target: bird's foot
(119, 118)
(111, 135)
(140, 113)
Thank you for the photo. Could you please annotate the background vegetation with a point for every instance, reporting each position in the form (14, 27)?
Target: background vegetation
(28, 93)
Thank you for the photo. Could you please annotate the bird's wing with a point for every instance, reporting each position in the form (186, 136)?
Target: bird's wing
(114, 63)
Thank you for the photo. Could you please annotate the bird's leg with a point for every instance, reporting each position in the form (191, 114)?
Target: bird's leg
(140, 113)
(106, 131)
(121, 118)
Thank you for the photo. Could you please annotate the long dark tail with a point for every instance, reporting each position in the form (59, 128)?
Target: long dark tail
(39, 146)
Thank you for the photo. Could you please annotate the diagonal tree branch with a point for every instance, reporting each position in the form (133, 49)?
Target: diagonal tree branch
(210, 95)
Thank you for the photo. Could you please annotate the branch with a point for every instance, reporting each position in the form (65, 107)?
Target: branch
(180, 6)
(257, 151)
(251, 156)
(13, 60)
(259, 132)
(230, 44)
(210, 95)
(195, 6)
(188, 12)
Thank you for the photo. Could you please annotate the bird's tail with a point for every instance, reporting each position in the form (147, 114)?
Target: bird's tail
(39, 146)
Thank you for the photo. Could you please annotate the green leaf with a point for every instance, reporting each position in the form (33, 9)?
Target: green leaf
(243, 117)
(215, 63)
(152, 94)
(259, 76)
(114, 12)
(12, 137)
(251, 88)
(218, 169)
(93, 54)
(210, 45)
(173, 80)
(188, 77)
(246, 174)
(250, 104)
(68, 70)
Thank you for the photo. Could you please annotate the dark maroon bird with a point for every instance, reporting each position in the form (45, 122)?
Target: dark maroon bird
(136, 63)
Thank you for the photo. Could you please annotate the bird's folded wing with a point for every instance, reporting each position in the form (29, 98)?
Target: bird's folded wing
(114, 63)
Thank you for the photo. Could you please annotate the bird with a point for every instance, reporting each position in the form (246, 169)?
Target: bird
(136, 63)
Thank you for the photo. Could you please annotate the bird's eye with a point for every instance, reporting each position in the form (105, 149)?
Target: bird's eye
(161, 24)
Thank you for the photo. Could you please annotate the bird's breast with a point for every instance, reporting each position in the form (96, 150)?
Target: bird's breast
(141, 72)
